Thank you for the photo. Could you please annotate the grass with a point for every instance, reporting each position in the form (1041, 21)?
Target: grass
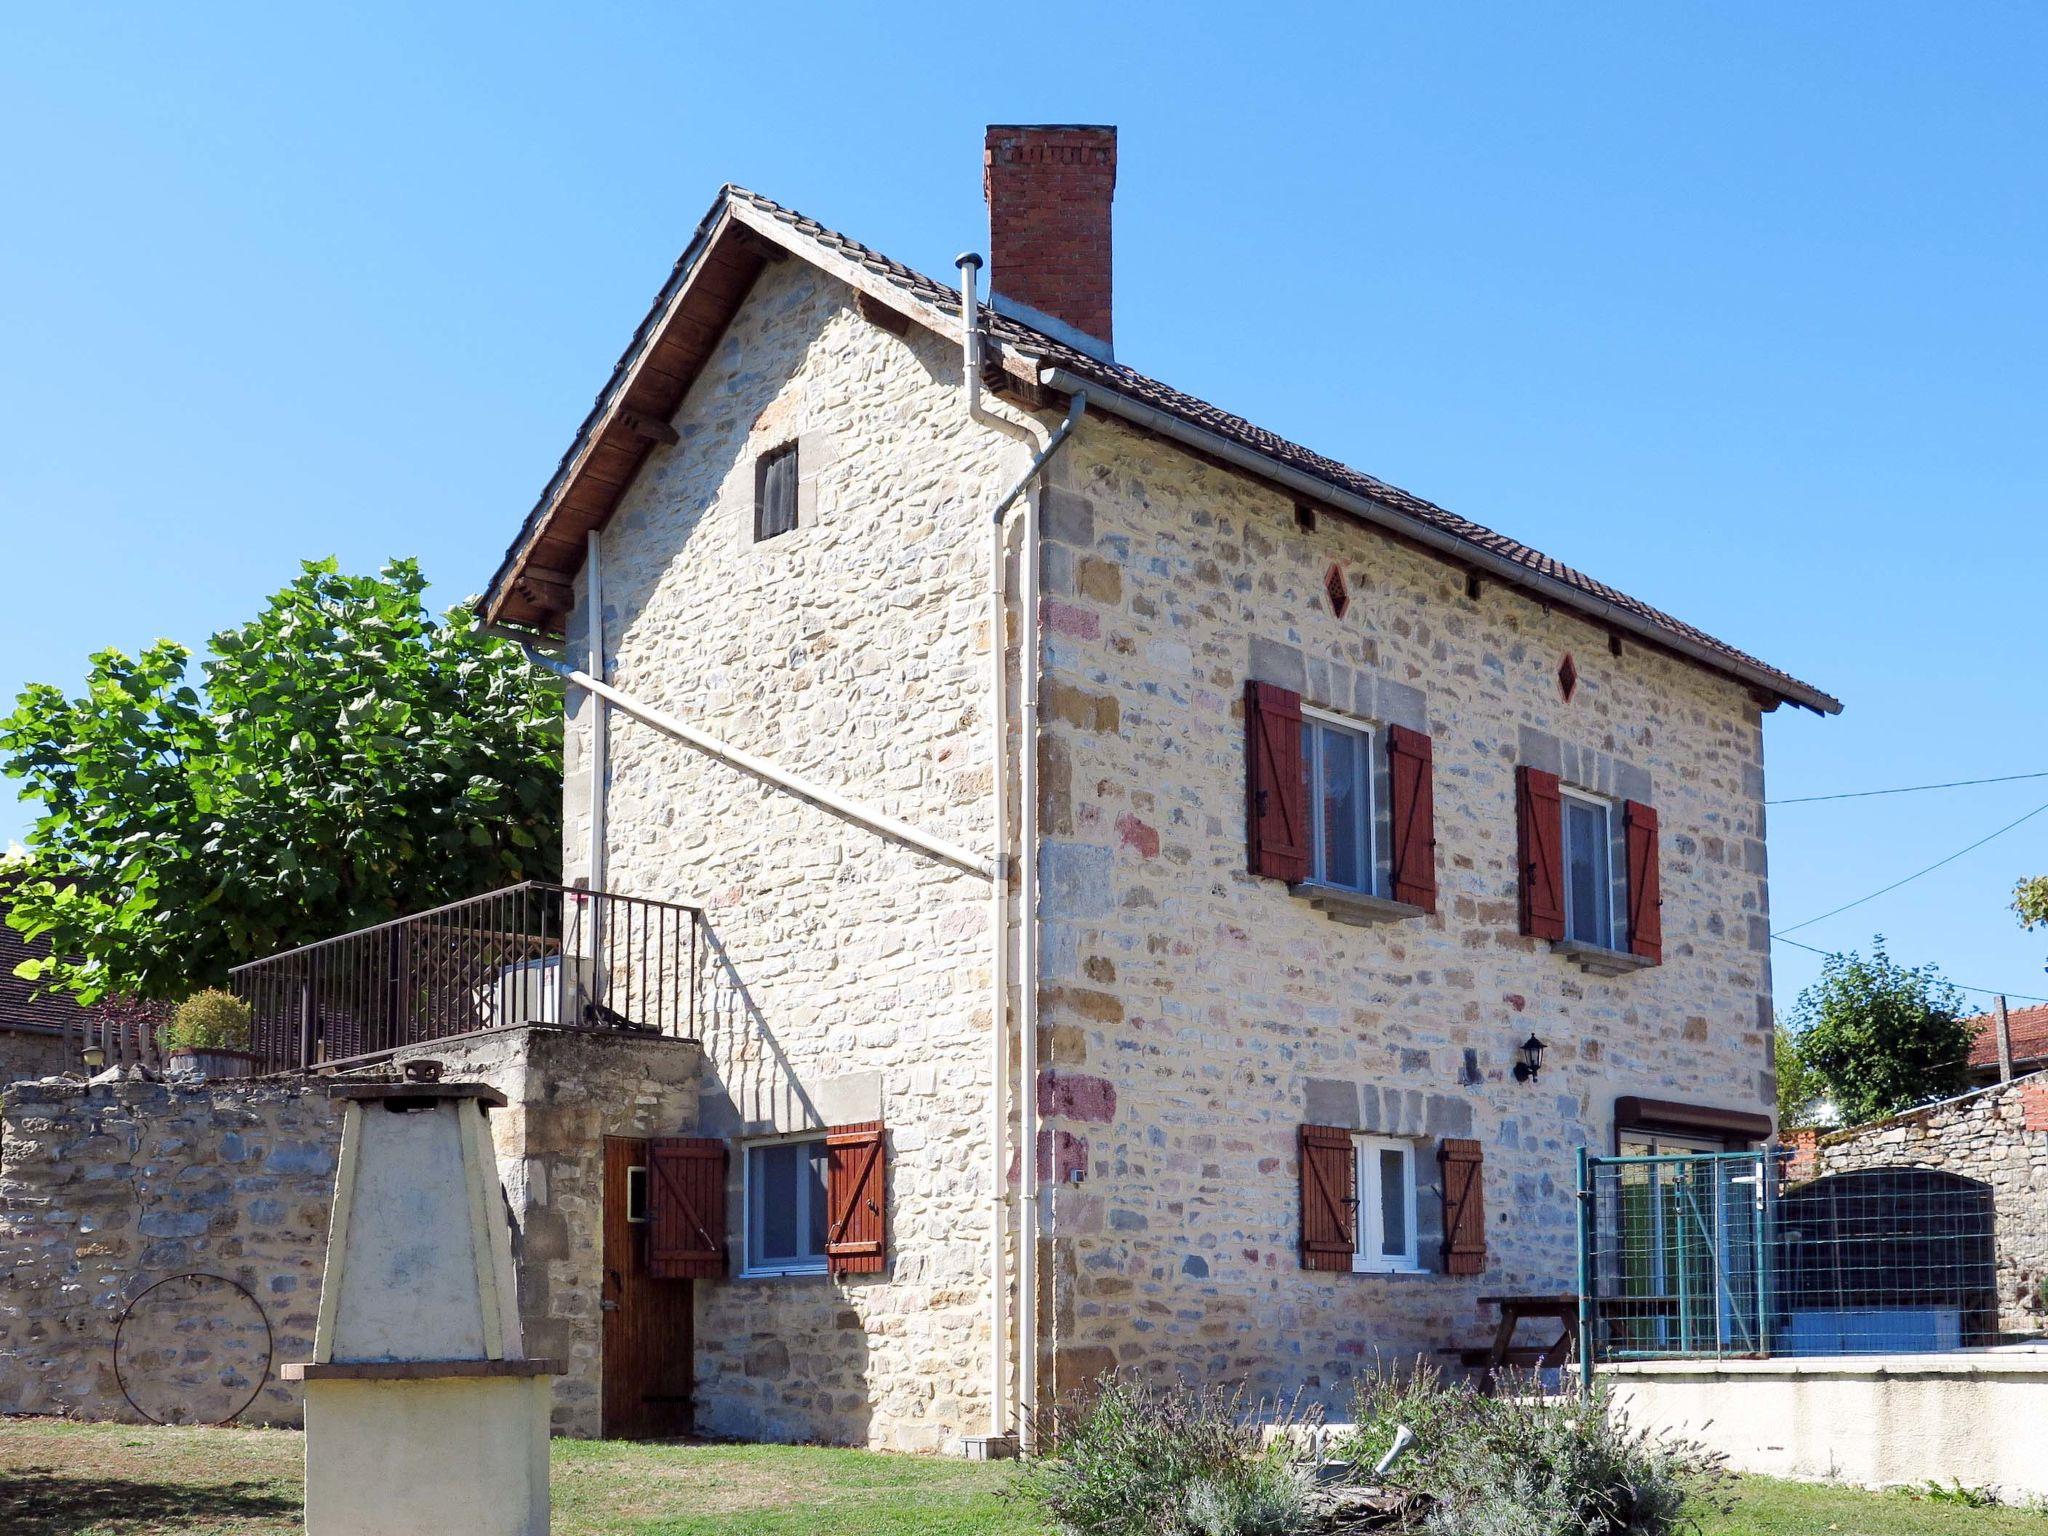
(65, 1479)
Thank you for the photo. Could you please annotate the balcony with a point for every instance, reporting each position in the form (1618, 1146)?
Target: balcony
(530, 954)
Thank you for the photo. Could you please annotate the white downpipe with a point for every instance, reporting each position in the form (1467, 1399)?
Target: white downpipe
(1031, 1196)
(999, 1420)
(600, 735)
(748, 762)
(1027, 1023)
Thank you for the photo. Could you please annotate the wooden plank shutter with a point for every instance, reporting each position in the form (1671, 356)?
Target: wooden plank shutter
(856, 1199)
(1539, 818)
(1645, 889)
(1411, 777)
(685, 1208)
(1276, 800)
(1464, 1206)
(1329, 1198)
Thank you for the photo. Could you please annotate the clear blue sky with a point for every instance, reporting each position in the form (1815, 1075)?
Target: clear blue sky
(1741, 307)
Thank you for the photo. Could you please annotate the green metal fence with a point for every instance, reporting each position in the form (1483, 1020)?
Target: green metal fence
(1713, 1255)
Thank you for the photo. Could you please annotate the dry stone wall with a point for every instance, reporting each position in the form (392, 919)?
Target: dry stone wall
(1997, 1136)
(107, 1189)
(1195, 1016)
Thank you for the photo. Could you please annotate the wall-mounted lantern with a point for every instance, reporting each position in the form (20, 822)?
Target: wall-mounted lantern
(1529, 1060)
(95, 1057)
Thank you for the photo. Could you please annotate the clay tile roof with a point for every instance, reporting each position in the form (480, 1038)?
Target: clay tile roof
(1583, 592)
(2029, 1028)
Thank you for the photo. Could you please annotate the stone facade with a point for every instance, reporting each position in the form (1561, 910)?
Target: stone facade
(568, 1090)
(107, 1189)
(1997, 1136)
(1195, 1016)
(849, 975)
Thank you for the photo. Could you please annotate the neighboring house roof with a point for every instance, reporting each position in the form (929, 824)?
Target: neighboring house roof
(2029, 1031)
(744, 231)
(20, 1009)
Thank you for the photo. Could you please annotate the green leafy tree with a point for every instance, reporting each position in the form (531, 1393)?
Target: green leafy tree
(1801, 1093)
(1880, 1036)
(344, 758)
(2030, 900)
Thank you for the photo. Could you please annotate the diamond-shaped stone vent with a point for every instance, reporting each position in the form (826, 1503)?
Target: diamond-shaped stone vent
(1567, 677)
(1340, 597)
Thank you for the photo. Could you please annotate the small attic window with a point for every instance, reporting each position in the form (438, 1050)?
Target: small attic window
(775, 492)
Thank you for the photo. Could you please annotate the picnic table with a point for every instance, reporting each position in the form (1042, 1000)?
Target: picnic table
(1505, 1354)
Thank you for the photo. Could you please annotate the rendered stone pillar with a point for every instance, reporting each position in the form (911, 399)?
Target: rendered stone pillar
(422, 1413)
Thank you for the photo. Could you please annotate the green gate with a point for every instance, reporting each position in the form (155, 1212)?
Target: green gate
(1674, 1256)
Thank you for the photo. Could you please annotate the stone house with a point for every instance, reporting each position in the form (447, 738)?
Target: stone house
(1161, 900)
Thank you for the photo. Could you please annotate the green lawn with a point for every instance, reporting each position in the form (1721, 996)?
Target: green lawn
(60, 1479)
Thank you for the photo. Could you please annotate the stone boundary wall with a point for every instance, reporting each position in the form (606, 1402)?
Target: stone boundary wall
(1997, 1136)
(108, 1188)
(27, 1054)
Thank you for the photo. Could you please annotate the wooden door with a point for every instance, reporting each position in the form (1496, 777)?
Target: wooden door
(647, 1337)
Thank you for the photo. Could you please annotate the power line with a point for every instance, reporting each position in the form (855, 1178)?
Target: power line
(1908, 789)
(1909, 879)
(1960, 986)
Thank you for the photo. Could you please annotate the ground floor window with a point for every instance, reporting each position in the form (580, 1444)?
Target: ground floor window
(1386, 1205)
(785, 1197)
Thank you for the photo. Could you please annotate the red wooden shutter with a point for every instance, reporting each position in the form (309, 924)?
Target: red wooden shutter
(685, 1208)
(856, 1199)
(1329, 1198)
(1276, 804)
(1539, 816)
(1412, 816)
(1464, 1207)
(1645, 890)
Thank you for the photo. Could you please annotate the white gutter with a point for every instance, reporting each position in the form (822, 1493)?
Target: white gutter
(747, 762)
(1027, 894)
(1500, 567)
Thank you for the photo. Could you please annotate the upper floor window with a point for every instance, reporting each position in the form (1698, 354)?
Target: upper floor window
(786, 1207)
(1337, 759)
(1589, 878)
(775, 492)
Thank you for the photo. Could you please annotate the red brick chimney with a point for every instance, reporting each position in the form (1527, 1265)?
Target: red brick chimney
(1049, 189)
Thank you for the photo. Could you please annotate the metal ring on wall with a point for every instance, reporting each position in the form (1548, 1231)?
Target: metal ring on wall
(269, 1345)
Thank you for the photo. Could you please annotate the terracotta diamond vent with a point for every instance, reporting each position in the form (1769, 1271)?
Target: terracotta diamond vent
(1567, 677)
(1340, 596)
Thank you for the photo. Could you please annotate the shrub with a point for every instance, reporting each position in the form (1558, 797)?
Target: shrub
(212, 1020)
(1135, 1460)
(1526, 1464)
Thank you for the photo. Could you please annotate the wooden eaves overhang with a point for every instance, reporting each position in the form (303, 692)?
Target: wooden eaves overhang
(533, 588)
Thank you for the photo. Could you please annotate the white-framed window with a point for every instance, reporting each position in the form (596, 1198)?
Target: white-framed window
(1337, 757)
(636, 1193)
(1589, 876)
(1386, 1206)
(785, 1203)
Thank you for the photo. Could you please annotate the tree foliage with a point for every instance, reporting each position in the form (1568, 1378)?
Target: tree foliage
(2030, 900)
(345, 757)
(1802, 1096)
(1880, 1036)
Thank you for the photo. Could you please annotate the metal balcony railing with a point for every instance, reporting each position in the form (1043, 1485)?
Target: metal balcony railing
(530, 954)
